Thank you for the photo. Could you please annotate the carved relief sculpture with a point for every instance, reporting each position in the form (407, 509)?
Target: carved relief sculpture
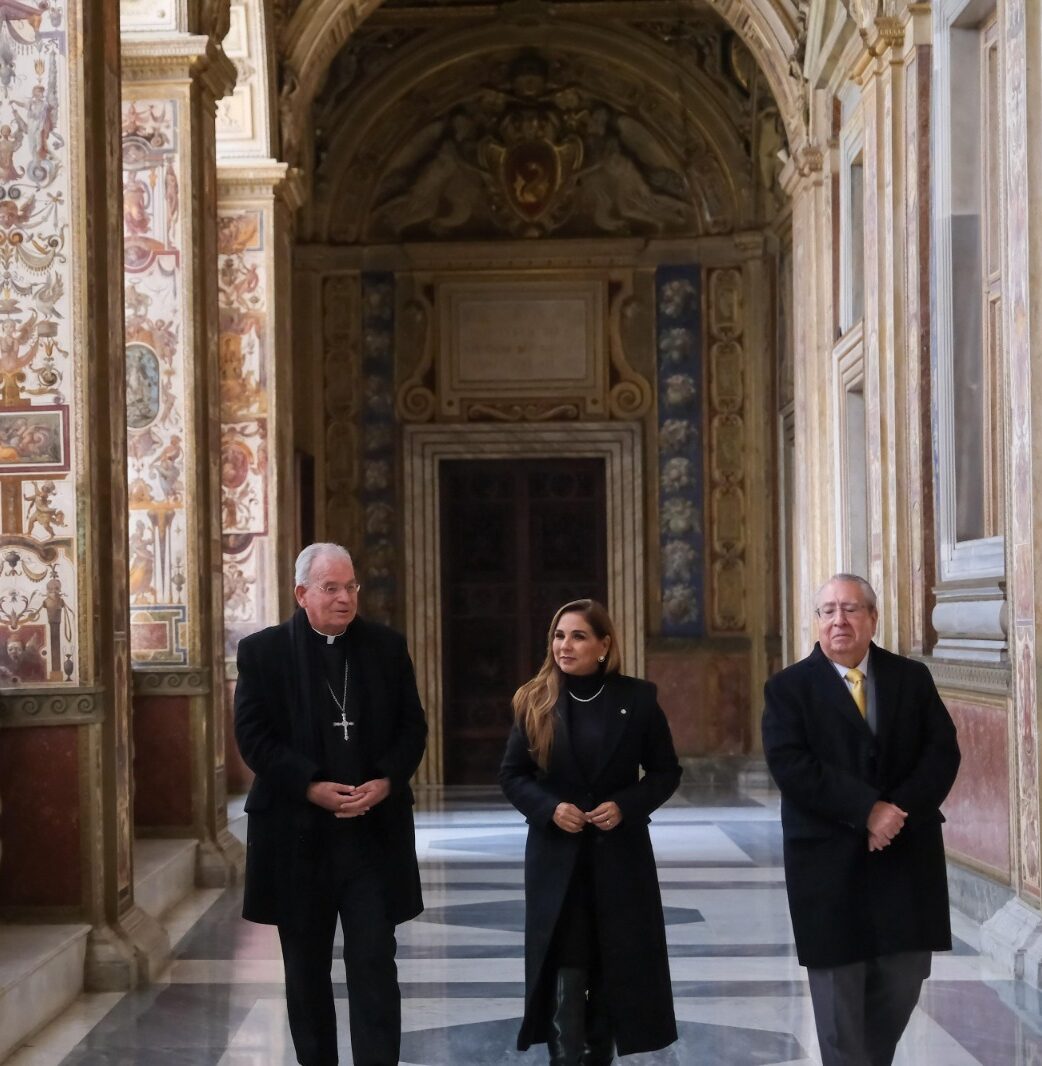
(529, 153)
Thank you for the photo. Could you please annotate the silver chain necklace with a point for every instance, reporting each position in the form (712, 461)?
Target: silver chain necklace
(583, 699)
(341, 704)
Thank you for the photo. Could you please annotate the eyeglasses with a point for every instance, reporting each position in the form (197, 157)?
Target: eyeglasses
(351, 588)
(830, 610)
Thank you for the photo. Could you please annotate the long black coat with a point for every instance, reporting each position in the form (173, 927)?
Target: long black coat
(848, 904)
(630, 924)
(275, 733)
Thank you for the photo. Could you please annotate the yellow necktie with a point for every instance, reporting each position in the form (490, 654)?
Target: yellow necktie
(857, 689)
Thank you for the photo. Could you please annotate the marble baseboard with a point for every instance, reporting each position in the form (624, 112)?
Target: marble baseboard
(164, 873)
(974, 894)
(1010, 936)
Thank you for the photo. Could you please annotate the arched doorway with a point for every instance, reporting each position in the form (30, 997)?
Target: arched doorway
(546, 226)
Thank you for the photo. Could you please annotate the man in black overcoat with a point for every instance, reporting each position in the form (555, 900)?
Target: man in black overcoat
(864, 753)
(328, 718)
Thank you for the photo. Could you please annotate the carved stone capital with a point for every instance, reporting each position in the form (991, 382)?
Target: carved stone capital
(39, 706)
(186, 57)
(810, 159)
(886, 33)
(249, 181)
(172, 681)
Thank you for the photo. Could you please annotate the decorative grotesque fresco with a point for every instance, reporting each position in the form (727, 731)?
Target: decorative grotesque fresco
(157, 444)
(539, 148)
(243, 351)
(679, 334)
(38, 536)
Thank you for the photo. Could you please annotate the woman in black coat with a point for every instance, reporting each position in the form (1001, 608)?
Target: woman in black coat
(596, 967)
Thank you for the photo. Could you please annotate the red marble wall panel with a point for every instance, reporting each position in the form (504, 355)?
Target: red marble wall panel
(977, 809)
(240, 776)
(162, 762)
(705, 694)
(40, 821)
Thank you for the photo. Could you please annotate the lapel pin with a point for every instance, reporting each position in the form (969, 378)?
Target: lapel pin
(623, 711)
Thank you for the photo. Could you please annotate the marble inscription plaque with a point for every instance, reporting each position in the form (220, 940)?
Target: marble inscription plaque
(522, 340)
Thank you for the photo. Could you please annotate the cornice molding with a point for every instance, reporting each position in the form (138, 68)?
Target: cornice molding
(172, 681)
(50, 706)
(982, 678)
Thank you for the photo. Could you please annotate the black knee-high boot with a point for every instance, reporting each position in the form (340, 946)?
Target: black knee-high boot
(599, 1047)
(566, 1038)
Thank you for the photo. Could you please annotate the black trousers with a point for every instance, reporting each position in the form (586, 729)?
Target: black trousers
(861, 1010)
(349, 887)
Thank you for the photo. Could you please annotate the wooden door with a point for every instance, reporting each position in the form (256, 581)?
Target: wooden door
(519, 538)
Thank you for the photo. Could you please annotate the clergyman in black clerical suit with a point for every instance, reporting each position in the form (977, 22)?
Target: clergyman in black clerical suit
(328, 717)
(864, 753)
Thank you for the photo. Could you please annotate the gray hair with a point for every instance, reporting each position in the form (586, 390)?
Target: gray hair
(866, 589)
(307, 558)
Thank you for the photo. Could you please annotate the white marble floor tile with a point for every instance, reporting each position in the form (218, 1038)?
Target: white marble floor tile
(700, 843)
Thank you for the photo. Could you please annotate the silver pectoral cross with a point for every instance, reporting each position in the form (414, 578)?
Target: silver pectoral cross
(344, 724)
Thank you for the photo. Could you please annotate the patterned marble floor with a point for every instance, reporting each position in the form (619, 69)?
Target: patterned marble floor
(740, 995)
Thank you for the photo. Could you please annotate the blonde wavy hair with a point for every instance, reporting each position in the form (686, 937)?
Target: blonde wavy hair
(534, 701)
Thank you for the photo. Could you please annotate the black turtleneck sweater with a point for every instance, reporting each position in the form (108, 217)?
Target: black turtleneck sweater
(586, 720)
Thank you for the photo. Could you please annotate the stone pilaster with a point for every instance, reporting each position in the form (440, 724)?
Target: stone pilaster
(259, 493)
(1021, 30)
(917, 546)
(806, 180)
(882, 98)
(171, 82)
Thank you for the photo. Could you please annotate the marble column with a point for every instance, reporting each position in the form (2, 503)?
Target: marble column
(171, 82)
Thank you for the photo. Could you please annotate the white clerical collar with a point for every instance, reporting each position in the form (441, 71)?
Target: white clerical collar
(328, 639)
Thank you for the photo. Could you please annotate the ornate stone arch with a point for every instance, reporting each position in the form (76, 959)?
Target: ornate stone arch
(774, 31)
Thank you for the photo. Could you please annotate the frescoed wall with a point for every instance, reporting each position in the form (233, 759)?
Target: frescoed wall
(250, 581)
(38, 384)
(158, 446)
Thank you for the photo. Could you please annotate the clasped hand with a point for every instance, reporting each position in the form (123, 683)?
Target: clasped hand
(885, 821)
(573, 820)
(349, 801)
